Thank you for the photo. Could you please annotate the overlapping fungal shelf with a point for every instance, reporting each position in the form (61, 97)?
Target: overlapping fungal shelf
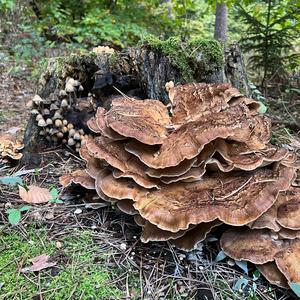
(186, 169)
(10, 148)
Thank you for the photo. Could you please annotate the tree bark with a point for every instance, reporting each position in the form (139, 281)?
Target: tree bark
(221, 22)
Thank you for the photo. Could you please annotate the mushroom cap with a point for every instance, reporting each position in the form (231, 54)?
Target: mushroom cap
(194, 174)
(175, 171)
(288, 211)
(78, 177)
(92, 125)
(186, 142)
(257, 246)
(285, 212)
(288, 262)
(289, 234)
(144, 120)
(235, 198)
(104, 129)
(122, 188)
(139, 220)
(267, 220)
(271, 272)
(195, 235)
(244, 158)
(152, 233)
(193, 101)
(84, 153)
(126, 206)
(251, 103)
(94, 166)
(9, 147)
(114, 153)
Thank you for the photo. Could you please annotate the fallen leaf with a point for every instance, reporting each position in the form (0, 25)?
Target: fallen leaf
(39, 263)
(35, 194)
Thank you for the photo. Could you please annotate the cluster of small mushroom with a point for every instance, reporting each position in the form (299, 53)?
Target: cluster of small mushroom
(9, 149)
(50, 113)
(204, 163)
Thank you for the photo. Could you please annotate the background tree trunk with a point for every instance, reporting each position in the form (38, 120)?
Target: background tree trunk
(221, 22)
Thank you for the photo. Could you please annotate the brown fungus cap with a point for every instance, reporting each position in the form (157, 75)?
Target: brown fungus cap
(271, 272)
(288, 262)
(285, 212)
(196, 235)
(104, 129)
(152, 233)
(289, 234)
(9, 147)
(122, 188)
(257, 246)
(78, 177)
(288, 211)
(244, 158)
(139, 220)
(194, 174)
(267, 220)
(144, 120)
(235, 123)
(92, 125)
(114, 153)
(126, 206)
(234, 198)
(192, 101)
(176, 171)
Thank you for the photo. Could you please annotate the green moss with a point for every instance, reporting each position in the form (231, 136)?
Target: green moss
(77, 276)
(191, 57)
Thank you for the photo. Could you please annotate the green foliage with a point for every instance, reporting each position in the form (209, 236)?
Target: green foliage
(6, 5)
(54, 194)
(15, 214)
(295, 286)
(194, 55)
(11, 180)
(272, 27)
(76, 275)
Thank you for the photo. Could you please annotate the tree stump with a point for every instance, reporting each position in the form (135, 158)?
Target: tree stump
(137, 72)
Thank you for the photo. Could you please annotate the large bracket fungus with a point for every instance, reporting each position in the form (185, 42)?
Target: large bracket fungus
(200, 162)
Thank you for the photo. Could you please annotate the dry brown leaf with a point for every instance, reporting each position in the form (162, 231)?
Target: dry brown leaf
(35, 194)
(39, 263)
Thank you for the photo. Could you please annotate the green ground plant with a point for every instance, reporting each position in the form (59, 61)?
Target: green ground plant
(76, 274)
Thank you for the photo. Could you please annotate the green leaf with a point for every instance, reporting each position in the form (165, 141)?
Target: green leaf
(11, 180)
(240, 284)
(221, 255)
(25, 208)
(256, 275)
(243, 265)
(262, 108)
(295, 286)
(54, 193)
(14, 216)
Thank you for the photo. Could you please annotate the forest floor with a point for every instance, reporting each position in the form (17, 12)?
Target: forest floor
(95, 251)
